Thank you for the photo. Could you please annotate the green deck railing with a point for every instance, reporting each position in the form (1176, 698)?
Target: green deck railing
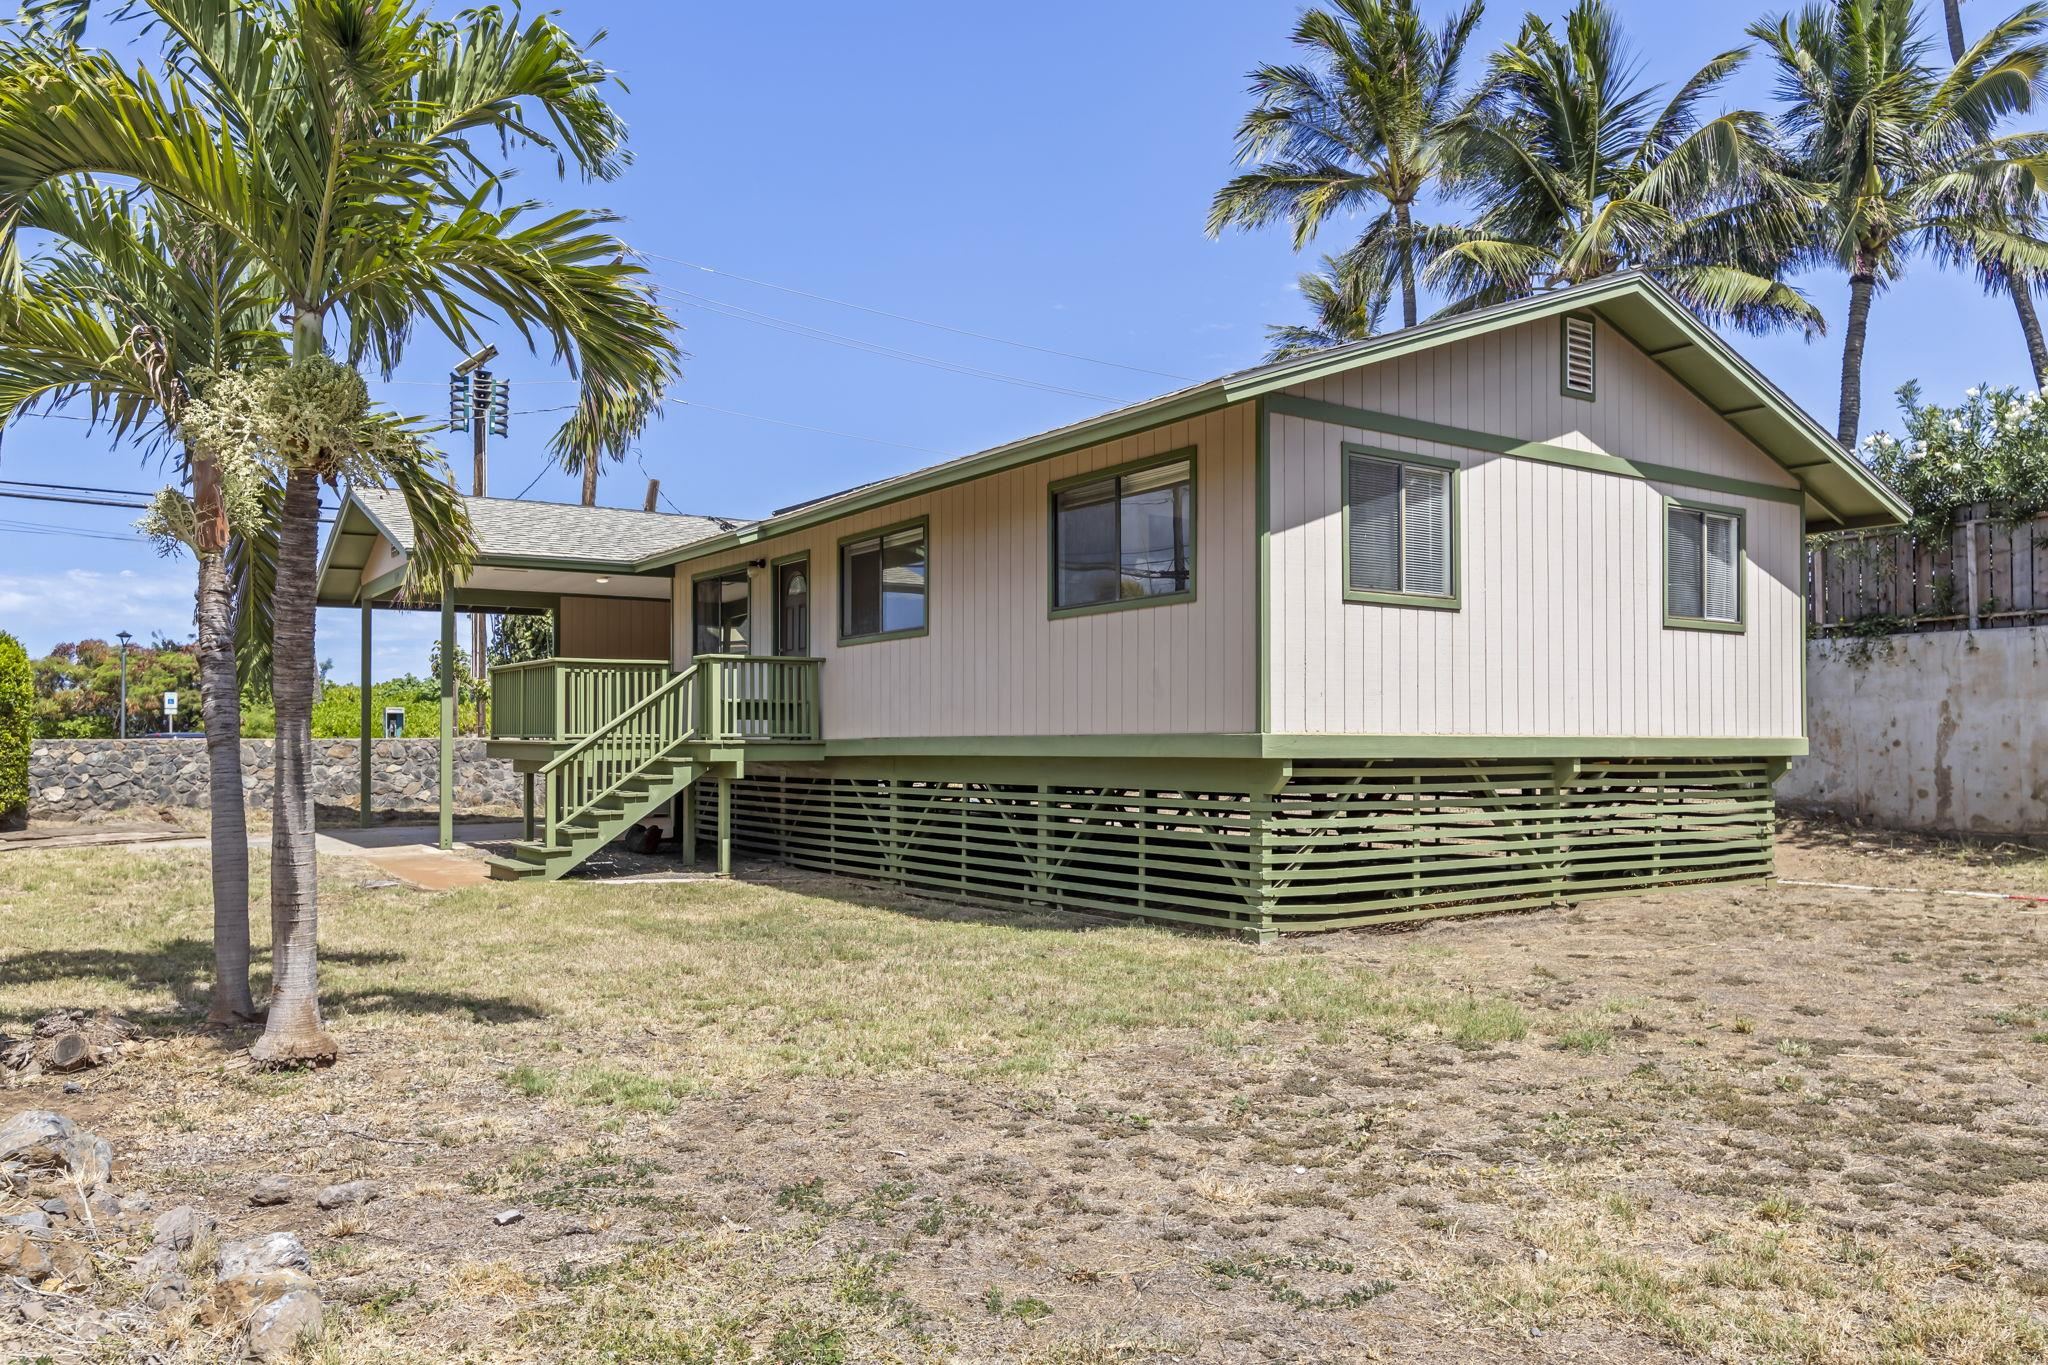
(567, 698)
(633, 718)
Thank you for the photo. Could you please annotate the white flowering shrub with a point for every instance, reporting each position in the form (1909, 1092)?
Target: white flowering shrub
(1991, 448)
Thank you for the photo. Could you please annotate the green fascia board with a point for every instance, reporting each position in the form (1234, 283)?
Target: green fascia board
(1364, 419)
(1629, 302)
(1305, 746)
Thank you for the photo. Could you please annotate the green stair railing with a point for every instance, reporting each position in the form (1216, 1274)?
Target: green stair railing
(603, 762)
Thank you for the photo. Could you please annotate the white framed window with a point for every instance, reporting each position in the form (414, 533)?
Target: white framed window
(1703, 562)
(1400, 528)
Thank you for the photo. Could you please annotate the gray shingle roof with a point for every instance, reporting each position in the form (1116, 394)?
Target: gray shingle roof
(554, 530)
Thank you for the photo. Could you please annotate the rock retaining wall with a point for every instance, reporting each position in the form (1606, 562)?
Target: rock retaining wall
(69, 778)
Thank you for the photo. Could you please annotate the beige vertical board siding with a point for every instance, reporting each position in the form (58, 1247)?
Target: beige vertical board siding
(992, 662)
(1561, 571)
(383, 559)
(612, 628)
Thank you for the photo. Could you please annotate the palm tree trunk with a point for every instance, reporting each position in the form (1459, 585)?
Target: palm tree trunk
(1952, 11)
(2018, 286)
(221, 704)
(2022, 291)
(294, 1035)
(1862, 285)
(1404, 232)
(590, 480)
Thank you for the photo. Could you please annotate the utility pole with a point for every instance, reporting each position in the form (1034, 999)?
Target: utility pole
(481, 405)
(124, 637)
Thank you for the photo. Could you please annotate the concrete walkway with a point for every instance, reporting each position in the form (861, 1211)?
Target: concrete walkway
(411, 852)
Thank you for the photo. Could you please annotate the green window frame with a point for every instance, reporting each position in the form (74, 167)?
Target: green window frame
(1706, 515)
(1354, 455)
(882, 537)
(1116, 475)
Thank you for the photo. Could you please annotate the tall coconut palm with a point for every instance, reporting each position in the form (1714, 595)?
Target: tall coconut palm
(1350, 296)
(345, 146)
(1579, 168)
(1356, 126)
(132, 306)
(2017, 286)
(1901, 157)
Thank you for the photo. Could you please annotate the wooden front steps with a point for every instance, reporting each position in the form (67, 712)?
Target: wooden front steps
(585, 833)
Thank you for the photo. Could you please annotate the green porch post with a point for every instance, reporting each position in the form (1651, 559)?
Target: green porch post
(724, 826)
(363, 758)
(448, 717)
(689, 829)
(526, 805)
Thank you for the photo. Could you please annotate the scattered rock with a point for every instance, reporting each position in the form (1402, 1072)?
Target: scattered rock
(136, 1203)
(163, 1278)
(37, 1142)
(270, 1191)
(70, 1040)
(274, 1251)
(35, 1220)
(36, 1258)
(507, 1217)
(347, 1193)
(180, 1227)
(278, 1309)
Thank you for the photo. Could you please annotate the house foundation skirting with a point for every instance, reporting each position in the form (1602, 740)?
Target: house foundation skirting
(1320, 844)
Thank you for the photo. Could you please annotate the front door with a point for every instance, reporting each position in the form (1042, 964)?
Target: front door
(723, 624)
(793, 607)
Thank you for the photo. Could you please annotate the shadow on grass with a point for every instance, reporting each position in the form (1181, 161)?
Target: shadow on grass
(184, 968)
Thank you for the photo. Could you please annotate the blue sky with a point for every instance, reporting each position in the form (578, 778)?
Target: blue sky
(1038, 174)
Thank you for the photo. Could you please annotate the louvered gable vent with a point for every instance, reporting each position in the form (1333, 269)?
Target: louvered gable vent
(1578, 357)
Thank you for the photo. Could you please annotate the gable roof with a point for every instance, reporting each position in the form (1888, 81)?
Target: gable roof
(510, 533)
(1838, 493)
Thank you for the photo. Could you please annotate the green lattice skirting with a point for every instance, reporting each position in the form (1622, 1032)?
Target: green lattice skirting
(1341, 843)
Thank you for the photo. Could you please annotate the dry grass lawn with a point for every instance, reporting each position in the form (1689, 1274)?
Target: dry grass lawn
(796, 1120)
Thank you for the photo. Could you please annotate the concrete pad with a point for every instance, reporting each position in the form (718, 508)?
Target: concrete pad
(412, 854)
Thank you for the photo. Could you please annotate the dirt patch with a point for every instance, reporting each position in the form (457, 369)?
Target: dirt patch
(814, 1122)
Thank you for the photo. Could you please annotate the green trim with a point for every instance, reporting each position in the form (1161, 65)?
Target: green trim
(1740, 625)
(1056, 612)
(775, 641)
(1451, 601)
(1308, 746)
(364, 689)
(1262, 501)
(1564, 350)
(448, 706)
(924, 523)
(388, 581)
(1316, 410)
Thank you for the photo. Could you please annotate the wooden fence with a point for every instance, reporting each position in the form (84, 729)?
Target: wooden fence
(1986, 573)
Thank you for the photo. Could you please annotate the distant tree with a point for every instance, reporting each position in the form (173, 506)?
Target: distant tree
(17, 727)
(1580, 169)
(78, 688)
(1350, 299)
(1357, 124)
(1902, 157)
(516, 639)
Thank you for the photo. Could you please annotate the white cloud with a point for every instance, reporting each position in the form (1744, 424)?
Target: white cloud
(46, 609)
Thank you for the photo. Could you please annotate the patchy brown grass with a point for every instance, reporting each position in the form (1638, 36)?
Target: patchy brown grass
(813, 1122)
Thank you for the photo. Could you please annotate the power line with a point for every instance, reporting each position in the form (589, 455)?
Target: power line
(30, 528)
(800, 426)
(75, 488)
(81, 502)
(921, 322)
(717, 308)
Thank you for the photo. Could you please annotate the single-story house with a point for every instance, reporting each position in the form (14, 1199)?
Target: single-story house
(1503, 609)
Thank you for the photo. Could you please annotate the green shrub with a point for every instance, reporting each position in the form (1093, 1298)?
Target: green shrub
(17, 726)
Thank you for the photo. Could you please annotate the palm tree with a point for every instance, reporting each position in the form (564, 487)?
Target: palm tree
(1902, 158)
(1578, 171)
(1350, 298)
(343, 145)
(133, 305)
(2018, 286)
(1358, 125)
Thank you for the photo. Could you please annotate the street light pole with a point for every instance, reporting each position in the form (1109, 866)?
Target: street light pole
(124, 637)
(478, 404)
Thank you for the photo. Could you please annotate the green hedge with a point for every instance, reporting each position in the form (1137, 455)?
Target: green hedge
(17, 726)
(339, 712)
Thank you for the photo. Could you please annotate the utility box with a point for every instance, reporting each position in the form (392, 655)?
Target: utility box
(394, 722)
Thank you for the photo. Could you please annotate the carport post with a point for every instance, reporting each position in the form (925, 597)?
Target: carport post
(448, 716)
(363, 756)
(724, 826)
